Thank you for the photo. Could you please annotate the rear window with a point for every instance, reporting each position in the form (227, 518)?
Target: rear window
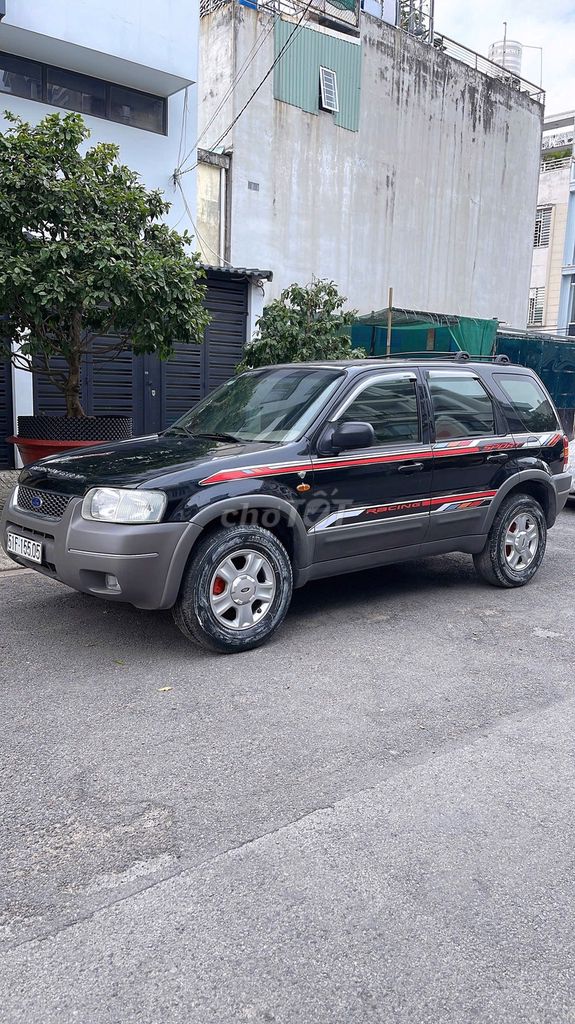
(461, 406)
(532, 406)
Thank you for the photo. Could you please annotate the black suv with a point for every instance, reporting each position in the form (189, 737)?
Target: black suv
(291, 473)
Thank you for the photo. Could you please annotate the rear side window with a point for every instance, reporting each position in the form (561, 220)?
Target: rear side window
(461, 406)
(532, 407)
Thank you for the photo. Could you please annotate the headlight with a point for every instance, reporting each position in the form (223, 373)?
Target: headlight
(112, 505)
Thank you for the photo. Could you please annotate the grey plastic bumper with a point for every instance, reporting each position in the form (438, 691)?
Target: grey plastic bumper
(563, 484)
(147, 561)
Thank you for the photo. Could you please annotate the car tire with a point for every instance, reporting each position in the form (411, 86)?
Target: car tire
(509, 558)
(235, 591)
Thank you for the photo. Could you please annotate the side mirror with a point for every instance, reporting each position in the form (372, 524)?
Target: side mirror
(352, 435)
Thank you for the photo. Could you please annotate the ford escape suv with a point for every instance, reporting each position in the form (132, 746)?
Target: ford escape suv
(291, 473)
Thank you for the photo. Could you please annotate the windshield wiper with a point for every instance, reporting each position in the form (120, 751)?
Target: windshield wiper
(176, 428)
(220, 436)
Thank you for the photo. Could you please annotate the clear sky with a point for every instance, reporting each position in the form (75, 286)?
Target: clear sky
(547, 23)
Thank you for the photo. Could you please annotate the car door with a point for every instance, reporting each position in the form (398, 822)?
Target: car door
(374, 499)
(473, 452)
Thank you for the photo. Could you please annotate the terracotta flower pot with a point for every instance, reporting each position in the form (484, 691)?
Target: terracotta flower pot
(32, 449)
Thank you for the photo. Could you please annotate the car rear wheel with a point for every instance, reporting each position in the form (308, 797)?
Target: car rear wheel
(236, 590)
(515, 545)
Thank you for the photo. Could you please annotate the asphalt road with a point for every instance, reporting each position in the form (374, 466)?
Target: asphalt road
(370, 819)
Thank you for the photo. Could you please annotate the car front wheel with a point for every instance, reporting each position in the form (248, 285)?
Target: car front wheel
(236, 590)
(515, 544)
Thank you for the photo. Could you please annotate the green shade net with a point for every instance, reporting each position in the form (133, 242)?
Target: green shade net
(424, 334)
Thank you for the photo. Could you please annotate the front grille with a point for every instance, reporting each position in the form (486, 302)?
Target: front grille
(42, 503)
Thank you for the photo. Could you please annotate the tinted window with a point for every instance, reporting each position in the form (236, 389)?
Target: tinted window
(20, 77)
(136, 109)
(461, 406)
(262, 405)
(75, 92)
(391, 408)
(533, 408)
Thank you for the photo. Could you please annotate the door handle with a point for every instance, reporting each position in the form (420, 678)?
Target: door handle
(499, 457)
(411, 467)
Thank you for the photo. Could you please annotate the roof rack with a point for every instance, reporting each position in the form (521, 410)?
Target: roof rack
(460, 356)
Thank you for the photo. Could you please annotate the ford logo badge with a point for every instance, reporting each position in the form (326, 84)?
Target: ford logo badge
(36, 501)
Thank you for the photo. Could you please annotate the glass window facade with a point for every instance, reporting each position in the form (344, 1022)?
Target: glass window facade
(74, 91)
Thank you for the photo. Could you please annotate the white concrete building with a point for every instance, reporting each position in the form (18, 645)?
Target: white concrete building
(130, 67)
(550, 236)
(408, 168)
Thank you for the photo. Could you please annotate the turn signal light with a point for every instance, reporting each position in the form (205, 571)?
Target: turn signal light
(565, 451)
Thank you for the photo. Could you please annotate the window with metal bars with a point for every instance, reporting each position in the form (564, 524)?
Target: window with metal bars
(536, 305)
(328, 97)
(542, 227)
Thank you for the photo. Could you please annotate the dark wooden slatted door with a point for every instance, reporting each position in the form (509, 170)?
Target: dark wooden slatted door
(153, 392)
(227, 301)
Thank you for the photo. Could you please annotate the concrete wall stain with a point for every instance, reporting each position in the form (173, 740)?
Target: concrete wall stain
(433, 195)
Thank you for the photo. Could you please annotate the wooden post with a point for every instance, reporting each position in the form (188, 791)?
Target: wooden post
(389, 308)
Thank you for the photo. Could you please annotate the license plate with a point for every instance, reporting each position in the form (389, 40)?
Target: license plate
(24, 548)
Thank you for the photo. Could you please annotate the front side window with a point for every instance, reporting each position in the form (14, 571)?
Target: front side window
(262, 405)
(391, 408)
(461, 406)
(531, 404)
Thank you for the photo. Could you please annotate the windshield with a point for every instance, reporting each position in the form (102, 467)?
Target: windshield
(261, 405)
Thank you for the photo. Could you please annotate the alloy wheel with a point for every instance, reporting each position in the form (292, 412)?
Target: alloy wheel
(242, 589)
(521, 541)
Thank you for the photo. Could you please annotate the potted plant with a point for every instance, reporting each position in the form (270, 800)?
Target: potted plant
(84, 255)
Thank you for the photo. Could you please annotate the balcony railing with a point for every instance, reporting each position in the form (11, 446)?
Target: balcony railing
(487, 67)
(340, 12)
(555, 165)
(347, 13)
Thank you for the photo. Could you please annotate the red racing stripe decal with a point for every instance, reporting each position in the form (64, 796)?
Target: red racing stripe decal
(463, 497)
(448, 449)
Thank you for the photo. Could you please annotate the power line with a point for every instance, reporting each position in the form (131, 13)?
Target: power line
(184, 124)
(229, 92)
(205, 245)
(276, 60)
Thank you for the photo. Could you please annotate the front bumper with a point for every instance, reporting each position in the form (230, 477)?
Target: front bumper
(147, 561)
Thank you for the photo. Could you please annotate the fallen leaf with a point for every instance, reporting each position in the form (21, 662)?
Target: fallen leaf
(116, 662)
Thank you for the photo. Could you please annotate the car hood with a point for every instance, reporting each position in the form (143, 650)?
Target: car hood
(158, 459)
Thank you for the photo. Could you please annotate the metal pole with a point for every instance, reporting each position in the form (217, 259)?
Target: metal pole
(504, 43)
(389, 317)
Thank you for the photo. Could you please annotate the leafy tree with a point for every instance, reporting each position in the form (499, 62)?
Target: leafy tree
(305, 323)
(83, 253)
